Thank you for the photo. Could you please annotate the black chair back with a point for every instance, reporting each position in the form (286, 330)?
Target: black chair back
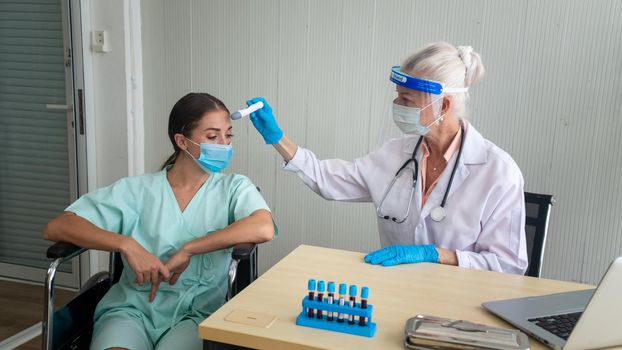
(537, 210)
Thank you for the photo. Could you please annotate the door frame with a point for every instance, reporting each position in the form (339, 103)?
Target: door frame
(93, 261)
(74, 82)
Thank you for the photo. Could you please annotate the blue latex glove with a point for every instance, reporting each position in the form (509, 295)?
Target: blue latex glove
(403, 254)
(265, 123)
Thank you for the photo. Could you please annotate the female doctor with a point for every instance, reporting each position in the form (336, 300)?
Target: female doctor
(443, 193)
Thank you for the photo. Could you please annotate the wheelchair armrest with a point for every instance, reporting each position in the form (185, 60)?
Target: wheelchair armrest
(64, 250)
(243, 251)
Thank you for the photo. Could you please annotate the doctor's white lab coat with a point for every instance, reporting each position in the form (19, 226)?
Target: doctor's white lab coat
(485, 208)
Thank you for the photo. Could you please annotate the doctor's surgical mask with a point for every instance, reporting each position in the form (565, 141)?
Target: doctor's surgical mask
(213, 157)
(408, 119)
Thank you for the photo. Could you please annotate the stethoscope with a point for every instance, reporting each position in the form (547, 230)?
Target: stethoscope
(437, 214)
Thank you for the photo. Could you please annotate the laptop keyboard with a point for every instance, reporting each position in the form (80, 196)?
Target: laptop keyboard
(560, 325)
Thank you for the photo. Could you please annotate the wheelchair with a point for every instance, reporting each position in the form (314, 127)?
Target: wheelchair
(71, 326)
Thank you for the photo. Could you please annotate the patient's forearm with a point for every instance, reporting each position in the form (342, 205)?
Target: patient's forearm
(256, 228)
(71, 228)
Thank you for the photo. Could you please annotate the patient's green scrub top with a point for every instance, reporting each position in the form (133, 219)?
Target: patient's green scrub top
(144, 208)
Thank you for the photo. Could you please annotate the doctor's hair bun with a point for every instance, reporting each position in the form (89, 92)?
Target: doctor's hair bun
(473, 64)
(454, 67)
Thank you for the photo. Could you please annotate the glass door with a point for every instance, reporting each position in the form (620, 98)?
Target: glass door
(38, 157)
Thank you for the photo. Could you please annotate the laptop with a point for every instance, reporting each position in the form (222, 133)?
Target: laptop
(585, 319)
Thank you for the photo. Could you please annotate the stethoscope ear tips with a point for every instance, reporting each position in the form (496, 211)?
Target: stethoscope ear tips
(386, 217)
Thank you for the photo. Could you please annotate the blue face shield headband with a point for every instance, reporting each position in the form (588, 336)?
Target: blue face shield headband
(428, 86)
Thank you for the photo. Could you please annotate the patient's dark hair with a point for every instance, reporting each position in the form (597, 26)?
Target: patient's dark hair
(185, 115)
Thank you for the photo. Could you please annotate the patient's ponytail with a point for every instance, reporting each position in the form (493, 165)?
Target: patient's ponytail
(171, 160)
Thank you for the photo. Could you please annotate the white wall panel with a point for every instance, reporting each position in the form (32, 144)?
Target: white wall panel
(156, 105)
(259, 54)
(351, 119)
(550, 97)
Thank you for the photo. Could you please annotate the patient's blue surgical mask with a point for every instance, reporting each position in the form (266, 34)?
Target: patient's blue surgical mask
(408, 119)
(213, 157)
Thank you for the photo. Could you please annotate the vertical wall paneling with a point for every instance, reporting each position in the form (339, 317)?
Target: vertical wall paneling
(292, 200)
(262, 58)
(237, 53)
(503, 59)
(349, 118)
(325, 50)
(157, 149)
(207, 46)
(550, 98)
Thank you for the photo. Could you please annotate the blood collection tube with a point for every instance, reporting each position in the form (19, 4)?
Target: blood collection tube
(342, 295)
(352, 301)
(331, 298)
(364, 296)
(311, 288)
(320, 297)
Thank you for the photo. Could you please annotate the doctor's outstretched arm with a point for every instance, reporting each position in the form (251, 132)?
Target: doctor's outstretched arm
(333, 179)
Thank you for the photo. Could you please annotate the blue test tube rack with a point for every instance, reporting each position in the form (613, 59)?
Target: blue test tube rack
(306, 320)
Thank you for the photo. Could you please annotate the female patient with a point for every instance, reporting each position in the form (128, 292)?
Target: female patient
(175, 227)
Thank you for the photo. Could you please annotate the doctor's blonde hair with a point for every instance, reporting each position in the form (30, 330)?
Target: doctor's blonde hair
(454, 67)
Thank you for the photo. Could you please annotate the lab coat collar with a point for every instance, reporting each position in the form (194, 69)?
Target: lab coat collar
(408, 146)
(474, 151)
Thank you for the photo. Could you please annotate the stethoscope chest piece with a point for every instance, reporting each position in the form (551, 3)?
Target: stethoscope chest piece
(438, 214)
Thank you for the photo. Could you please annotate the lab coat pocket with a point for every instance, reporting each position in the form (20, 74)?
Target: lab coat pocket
(400, 199)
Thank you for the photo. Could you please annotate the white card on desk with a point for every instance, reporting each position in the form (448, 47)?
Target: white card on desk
(251, 318)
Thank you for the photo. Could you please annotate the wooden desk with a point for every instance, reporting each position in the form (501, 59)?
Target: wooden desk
(397, 293)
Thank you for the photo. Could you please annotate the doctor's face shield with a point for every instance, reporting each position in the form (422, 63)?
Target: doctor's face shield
(414, 104)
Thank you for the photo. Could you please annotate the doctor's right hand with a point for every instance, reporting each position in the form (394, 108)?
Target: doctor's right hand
(264, 122)
(146, 266)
